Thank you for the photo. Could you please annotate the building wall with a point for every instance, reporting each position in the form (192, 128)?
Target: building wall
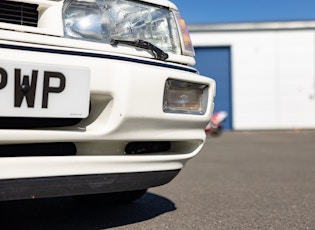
(272, 74)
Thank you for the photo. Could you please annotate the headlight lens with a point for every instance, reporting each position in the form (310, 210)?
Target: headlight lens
(103, 20)
(185, 97)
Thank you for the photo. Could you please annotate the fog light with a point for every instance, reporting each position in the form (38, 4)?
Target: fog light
(185, 97)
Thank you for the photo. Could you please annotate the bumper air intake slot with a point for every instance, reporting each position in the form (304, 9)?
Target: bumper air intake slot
(39, 149)
(147, 147)
(33, 123)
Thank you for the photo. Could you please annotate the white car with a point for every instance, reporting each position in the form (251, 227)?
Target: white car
(96, 97)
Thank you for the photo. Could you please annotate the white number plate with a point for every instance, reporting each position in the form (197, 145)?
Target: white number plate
(40, 90)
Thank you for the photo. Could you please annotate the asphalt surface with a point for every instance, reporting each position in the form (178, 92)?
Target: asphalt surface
(241, 180)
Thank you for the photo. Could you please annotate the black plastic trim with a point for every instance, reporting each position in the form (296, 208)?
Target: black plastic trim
(32, 188)
(146, 147)
(36, 122)
(95, 55)
(38, 149)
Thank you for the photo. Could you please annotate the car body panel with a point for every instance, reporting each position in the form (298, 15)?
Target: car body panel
(126, 87)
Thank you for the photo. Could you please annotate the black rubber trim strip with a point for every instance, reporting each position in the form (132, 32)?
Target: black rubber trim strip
(32, 188)
(94, 55)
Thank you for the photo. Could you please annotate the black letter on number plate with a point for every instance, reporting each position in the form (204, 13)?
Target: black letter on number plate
(47, 89)
(25, 90)
(4, 78)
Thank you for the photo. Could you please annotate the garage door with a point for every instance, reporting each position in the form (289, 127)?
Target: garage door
(215, 62)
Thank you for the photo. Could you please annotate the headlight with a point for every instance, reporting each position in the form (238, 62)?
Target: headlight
(103, 20)
(185, 97)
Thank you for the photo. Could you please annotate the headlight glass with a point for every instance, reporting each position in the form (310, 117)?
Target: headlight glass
(103, 20)
(185, 97)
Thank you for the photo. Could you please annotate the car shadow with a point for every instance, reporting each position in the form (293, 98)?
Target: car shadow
(69, 213)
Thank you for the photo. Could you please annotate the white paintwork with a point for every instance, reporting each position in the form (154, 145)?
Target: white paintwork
(273, 76)
(84, 165)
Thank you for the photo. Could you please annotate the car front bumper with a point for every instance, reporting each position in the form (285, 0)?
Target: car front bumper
(126, 106)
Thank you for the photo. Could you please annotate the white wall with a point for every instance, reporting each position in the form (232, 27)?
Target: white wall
(273, 77)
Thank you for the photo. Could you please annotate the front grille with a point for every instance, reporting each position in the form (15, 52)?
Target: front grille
(19, 13)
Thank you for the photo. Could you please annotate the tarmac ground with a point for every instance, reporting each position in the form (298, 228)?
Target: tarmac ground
(240, 180)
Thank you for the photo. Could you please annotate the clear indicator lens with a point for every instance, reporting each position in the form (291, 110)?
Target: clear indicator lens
(187, 46)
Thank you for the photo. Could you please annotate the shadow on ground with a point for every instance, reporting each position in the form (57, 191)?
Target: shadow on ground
(69, 213)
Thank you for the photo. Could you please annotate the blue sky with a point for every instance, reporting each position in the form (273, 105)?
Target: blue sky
(222, 11)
